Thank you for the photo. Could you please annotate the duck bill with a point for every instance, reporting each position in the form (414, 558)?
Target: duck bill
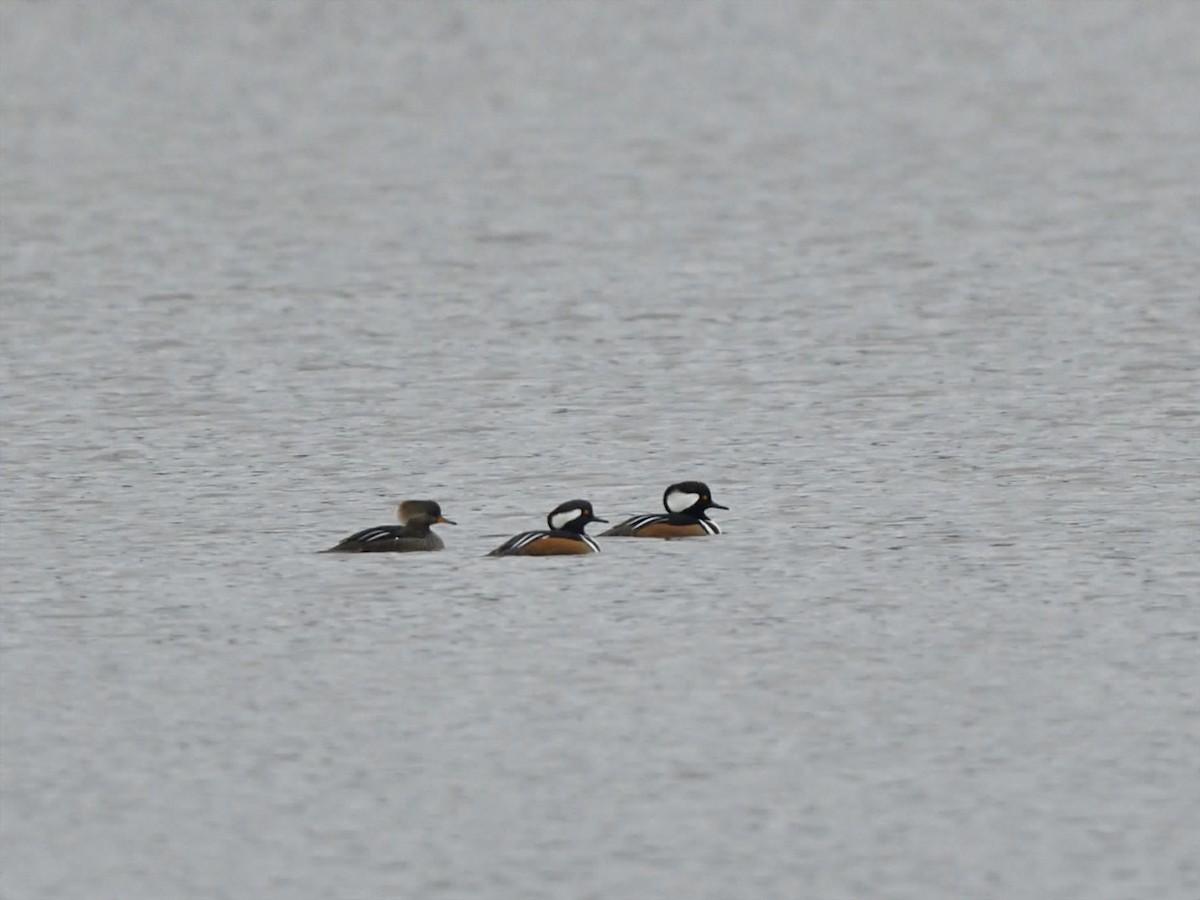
(444, 521)
(717, 506)
(598, 519)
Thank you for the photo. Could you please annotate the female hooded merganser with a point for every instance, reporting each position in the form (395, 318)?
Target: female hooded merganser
(416, 516)
(564, 537)
(686, 503)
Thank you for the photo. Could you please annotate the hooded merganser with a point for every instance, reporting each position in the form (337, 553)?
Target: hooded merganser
(564, 537)
(416, 516)
(686, 503)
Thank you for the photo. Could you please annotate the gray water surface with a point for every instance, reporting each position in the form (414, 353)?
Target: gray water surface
(914, 287)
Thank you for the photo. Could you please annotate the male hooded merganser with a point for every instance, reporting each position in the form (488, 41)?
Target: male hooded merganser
(416, 516)
(564, 537)
(686, 503)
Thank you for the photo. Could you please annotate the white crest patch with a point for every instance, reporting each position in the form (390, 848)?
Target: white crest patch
(678, 501)
(562, 519)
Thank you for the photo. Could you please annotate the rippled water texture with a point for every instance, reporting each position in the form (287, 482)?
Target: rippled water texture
(915, 288)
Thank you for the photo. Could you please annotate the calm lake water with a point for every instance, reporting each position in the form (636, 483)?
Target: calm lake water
(915, 288)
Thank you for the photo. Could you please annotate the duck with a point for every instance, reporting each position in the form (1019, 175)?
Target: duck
(412, 534)
(687, 504)
(565, 535)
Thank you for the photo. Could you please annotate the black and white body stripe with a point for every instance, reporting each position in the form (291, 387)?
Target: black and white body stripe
(381, 533)
(516, 544)
(370, 538)
(639, 522)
